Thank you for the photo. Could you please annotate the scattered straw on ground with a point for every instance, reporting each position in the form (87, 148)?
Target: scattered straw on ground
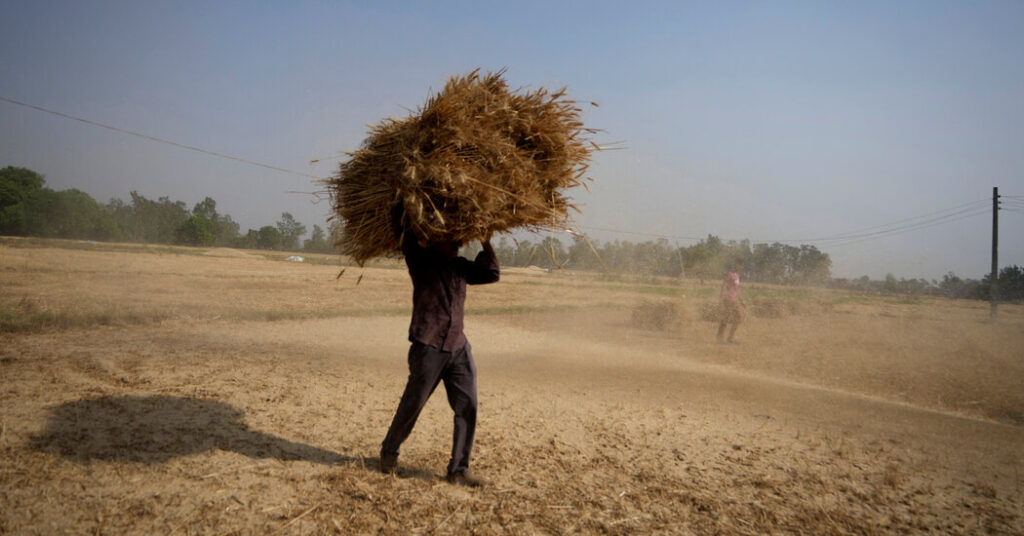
(873, 417)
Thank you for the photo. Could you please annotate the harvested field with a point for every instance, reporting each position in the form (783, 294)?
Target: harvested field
(165, 390)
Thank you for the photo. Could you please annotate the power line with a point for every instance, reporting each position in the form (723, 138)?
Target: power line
(156, 139)
(913, 226)
(924, 221)
(881, 228)
(885, 234)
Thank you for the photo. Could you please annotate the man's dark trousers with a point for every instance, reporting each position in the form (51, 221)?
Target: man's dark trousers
(428, 366)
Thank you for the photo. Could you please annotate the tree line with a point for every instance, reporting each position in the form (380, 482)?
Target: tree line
(1009, 280)
(708, 259)
(29, 208)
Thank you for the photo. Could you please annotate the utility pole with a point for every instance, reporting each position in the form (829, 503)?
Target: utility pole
(994, 289)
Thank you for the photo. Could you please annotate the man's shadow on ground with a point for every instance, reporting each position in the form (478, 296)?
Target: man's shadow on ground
(157, 428)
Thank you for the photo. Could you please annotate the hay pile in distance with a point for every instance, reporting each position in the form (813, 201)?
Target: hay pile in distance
(475, 160)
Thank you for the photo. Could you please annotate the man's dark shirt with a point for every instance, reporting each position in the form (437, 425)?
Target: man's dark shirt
(439, 292)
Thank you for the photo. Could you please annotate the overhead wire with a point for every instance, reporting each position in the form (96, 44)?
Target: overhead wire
(885, 234)
(910, 227)
(923, 221)
(951, 211)
(156, 139)
(1012, 206)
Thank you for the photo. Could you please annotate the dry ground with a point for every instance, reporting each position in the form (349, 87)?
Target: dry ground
(187, 391)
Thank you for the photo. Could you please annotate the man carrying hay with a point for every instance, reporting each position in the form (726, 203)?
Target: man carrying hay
(476, 159)
(440, 351)
(732, 303)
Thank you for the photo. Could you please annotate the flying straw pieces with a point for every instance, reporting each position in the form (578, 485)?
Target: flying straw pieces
(475, 160)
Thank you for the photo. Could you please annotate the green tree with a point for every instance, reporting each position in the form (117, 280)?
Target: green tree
(952, 286)
(269, 237)
(154, 222)
(223, 229)
(1011, 283)
(891, 285)
(525, 254)
(118, 213)
(1010, 288)
(206, 208)
(705, 260)
(769, 263)
(811, 266)
(581, 256)
(67, 214)
(317, 242)
(248, 241)
(290, 230)
(196, 231)
(504, 252)
(660, 258)
(17, 186)
(550, 253)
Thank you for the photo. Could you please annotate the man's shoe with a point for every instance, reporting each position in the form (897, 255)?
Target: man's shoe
(466, 479)
(388, 463)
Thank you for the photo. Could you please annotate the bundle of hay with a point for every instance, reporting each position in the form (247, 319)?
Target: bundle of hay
(475, 160)
(711, 311)
(657, 315)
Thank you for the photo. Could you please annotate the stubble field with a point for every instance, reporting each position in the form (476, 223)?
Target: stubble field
(155, 390)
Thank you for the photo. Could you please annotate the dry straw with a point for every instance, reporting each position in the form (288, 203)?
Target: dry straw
(475, 160)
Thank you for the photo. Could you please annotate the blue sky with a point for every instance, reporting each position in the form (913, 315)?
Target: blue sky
(760, 120)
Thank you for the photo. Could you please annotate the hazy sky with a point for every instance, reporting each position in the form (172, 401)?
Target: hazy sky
(771, 121)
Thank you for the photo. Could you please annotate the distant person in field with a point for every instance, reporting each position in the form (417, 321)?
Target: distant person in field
(440, 351)
(732, 304)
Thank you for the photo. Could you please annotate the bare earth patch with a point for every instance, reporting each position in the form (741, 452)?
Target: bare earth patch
(250, 396)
